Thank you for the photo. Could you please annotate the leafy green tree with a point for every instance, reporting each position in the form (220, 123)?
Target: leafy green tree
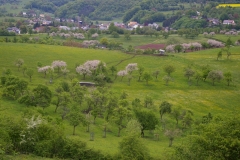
(189, 73)
(24, 68)
(130, 48)
(113, 69)
(198, 76)
(187, 119)
(13, 87)
(75, 118)
(215, 75)
(112, 28)
(169, 69)
(19, 62)
(156, 73)
(29, 73)
(229, 42)
(178, 48)
(165, 35)
(112, 103)
(228, 77)
(217, 140)
(133, 128)
(147, 119)
(42, 95)
(219, 55)
(127, 36)
(165, 107)
(120, 115)
(140, 72)
(115, 34)
(104, 41)
(148, 101)
(167, 79)
(171, 134)
(176, 114)
(147, 77)
(205, 72)
(227, 50)
(132, 147)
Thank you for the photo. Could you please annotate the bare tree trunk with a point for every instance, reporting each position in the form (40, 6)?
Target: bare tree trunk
(119, 130)
(170, 142)
(74, 130)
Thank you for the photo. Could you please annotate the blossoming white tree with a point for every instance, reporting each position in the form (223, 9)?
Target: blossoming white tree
(59, 65)
(131, 67)
(214, 43)
(45, 70)
(83, 70)
(122, 73)
(19, 62)
(170, 48)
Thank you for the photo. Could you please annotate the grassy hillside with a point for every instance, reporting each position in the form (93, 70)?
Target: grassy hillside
(200, 99)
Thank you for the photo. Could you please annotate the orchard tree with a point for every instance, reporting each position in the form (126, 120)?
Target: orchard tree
(215, 75)
(156, 73)
(227, 50)
(198, 77)
(122, 73)
(165, 107)
(147, 77)
(45, 70)
(120, 115)
(205, 72)
(75, 118)
(171, 134)
(131, 67)
(228, 77)
(178, 48)
(187, 119)
(29, 73)
(167, 79)
(65, 105)
(219, 55)
(127, 36)
(169, 69)
(133, 128)
(19, 62)
(65, 71)
(42, 95)
(24, 68)
(113, 69)
(189, 73)
(59, 65)
(176, 114)
(83, 70)
(148, 101)
(72, 76)
(129, 79)
(132, 147)
(140, 72)
(147, 119)
(13, 87)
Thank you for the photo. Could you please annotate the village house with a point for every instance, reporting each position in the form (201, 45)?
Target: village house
(14, 29)
(41, 15)
(46, 23)
(229, 22)
(153, 25)
(64, 28)
(213, 21)
(132, 24)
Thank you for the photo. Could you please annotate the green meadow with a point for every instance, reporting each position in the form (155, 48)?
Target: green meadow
(200, 99)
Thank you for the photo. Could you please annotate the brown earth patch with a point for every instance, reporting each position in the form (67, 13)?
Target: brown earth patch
(151, 46)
